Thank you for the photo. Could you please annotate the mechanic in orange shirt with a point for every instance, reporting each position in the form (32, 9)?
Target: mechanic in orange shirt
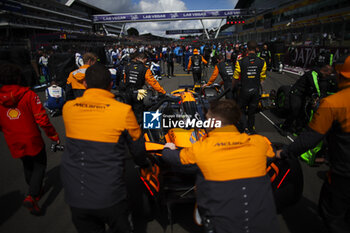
(75, 81)
(234, 194)
(98, 131)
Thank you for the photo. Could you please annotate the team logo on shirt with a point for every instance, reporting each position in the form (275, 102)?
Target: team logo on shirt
(13, 113)
(37, 100)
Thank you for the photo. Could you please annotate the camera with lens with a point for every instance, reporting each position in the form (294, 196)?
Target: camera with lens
(56, 147)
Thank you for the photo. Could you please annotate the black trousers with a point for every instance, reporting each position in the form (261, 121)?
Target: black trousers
(197, 77)
(178, 59)
(268, 64)
(227, 85)
(137, 106)
(94, 220)
(69, 92)
(170, 66)
(296, 104)
(334, 204)
(249, 100)
(34, 171)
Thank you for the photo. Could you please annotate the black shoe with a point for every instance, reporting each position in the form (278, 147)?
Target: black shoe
(169, 77)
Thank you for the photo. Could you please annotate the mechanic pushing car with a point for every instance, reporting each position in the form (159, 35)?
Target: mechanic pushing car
(135, 76)
(98, 130)
(234, 194)
(250, 72)
(225, 69)
(332, 120)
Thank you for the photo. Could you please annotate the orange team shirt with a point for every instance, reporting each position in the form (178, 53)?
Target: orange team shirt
(334, 108)
(226, 154)
(76, 77)
(97, 116)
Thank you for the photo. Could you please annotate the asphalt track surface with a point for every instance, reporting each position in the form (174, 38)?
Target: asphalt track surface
(56, 218)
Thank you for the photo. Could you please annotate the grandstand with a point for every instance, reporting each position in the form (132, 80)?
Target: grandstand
(33, 22)
(316, 22)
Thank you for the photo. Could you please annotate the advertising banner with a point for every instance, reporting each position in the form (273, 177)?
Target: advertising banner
(166, 16)
(187, 31)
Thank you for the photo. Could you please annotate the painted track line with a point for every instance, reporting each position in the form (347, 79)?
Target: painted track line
(269, 120)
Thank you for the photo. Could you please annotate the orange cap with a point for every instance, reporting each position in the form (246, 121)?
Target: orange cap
(195, 51)
(343, 66)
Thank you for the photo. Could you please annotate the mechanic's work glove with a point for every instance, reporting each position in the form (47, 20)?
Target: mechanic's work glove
(141, 93)
(170, 145)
